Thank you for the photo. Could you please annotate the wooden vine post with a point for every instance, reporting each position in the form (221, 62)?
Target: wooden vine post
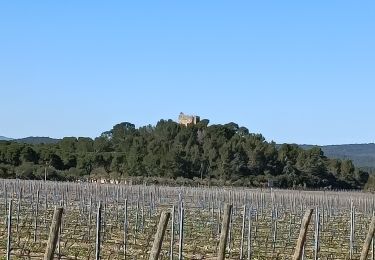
(369, 237)
(53, 234)
(302, 235)
(224, 231)
(156, 247)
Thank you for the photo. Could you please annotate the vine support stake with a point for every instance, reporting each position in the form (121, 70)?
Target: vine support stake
(302, 235)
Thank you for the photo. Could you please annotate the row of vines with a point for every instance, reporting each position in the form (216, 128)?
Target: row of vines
(264, 224)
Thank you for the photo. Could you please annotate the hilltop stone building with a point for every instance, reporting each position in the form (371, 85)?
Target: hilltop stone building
(187, 119)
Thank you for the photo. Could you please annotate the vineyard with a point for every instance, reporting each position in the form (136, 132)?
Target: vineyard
(264, 223)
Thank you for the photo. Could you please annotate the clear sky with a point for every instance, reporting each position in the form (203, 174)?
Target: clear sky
(295, 71)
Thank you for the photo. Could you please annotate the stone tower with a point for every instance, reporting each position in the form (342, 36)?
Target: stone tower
(187, 119)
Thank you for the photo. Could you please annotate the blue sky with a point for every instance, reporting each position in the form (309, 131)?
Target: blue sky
(295, 71)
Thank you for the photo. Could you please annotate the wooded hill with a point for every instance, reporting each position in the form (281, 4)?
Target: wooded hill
(168, 152)
(362, 155)
(32, 140)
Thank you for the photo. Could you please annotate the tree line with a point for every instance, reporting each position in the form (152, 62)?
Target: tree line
(221, 154)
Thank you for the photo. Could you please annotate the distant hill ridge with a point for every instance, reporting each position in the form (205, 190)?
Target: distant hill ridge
(362, 155)
(3, 138)
(32, 140)
(37, 140)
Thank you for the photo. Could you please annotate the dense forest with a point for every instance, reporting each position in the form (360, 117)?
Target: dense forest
(176, 154)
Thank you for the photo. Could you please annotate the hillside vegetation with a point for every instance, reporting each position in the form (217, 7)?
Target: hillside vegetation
(37, 140)
(207, 154)
(31, 140)
(362, 155)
